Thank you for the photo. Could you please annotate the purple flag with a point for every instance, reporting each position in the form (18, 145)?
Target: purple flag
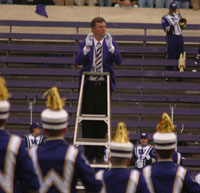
(41, 10)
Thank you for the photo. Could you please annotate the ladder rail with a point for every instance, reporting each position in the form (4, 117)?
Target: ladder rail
(108, 111)
(79, 108)
(106, 118)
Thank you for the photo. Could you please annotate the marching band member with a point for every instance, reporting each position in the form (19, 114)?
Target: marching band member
(34, 138)
(144, 153)
(16, 168)
(165, 175)
(120, 179)
(173, 29)
(58, 164)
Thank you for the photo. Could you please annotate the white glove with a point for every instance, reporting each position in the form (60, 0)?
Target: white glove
(89, 39)
(108, 40)
(148, 157)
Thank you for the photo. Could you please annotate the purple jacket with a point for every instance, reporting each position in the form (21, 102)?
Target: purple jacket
(108, 60)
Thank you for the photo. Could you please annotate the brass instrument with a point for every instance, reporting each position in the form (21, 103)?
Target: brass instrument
(183, 21)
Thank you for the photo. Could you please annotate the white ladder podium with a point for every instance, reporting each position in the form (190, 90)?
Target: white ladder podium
(94, 117)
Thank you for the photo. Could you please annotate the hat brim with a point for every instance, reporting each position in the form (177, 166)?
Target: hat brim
(123, 150)
(55, 120)
(4, 109)
(164, 141)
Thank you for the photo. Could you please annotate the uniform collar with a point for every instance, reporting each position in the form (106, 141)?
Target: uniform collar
(95, 42)
(144, 145)
(118, 167)
(164, 160)
(54, 138)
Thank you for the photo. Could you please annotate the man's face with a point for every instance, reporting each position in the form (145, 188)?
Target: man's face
(99, 30)
(143, 141)
(172, 11)
(37, 131)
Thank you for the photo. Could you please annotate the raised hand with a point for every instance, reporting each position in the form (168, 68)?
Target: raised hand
(89, 39)
(108, 40)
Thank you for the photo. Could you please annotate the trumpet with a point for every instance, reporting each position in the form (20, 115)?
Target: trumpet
(182, 21)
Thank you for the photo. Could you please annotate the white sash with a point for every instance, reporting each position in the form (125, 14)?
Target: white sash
(171, 19)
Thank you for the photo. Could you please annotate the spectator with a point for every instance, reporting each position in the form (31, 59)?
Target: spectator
(83, 2)
(97, 53)
(16, 168)
(58, 164)
(144, 153)
(163, 3)
(183, 4)
(44, 2)
(120, 179)
(195, 4)
(20, 2)
(7, 1)
(34, 138)
(126, 3)
(165, 175)
(146, 3)
(64, 2)
(105, 3)
(175, 43)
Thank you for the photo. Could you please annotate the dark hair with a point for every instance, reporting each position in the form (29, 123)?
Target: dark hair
(2, 122)
(53, 133)
(33, 126)
(165, 154)
(97, 20)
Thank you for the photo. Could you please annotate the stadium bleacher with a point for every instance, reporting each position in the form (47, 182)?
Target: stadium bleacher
(33, 62)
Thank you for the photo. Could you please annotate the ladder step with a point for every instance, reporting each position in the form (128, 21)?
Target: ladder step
(92, 141)
(93, 117)
(100, 165)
